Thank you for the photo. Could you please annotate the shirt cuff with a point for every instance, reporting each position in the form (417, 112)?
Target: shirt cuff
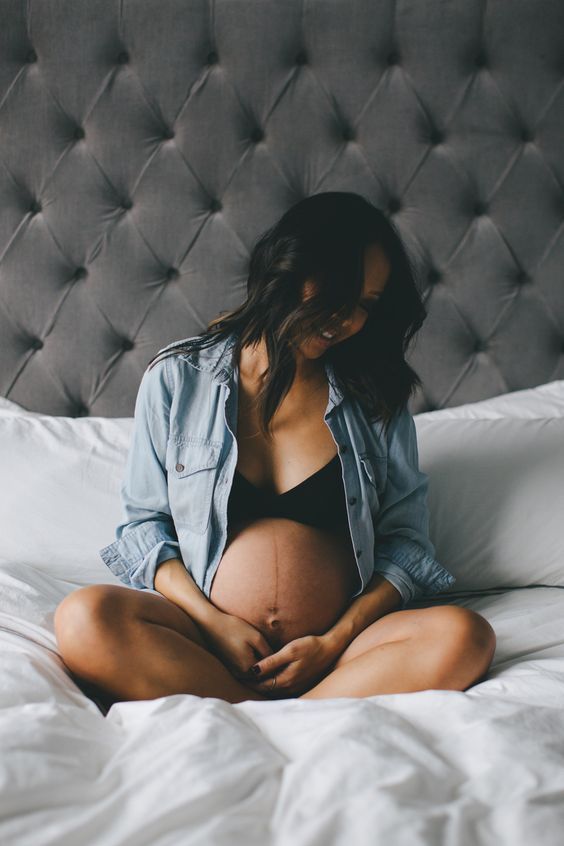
(398, 578)
(169, 550)
(424, 572)
(134, 558)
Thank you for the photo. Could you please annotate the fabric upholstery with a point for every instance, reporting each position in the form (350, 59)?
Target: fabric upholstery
(144, 147)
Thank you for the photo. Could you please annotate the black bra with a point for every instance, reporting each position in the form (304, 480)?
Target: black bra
(317, 501)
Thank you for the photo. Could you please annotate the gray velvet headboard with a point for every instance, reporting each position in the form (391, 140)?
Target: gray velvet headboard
(145, 145)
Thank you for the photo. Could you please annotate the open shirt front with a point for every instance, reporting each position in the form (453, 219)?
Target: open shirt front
(182, 459)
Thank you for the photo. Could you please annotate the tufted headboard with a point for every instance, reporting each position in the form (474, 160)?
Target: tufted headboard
(146, 144)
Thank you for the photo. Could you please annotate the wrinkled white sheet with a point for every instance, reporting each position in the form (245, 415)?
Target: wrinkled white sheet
(484, 766)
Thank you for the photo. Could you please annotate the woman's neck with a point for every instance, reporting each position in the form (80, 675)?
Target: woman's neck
(253, 363)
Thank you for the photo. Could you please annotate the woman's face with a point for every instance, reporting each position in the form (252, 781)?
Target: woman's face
(376, 273)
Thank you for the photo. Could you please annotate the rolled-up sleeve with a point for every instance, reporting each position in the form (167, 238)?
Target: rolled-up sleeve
(146, 535)
(403, 551)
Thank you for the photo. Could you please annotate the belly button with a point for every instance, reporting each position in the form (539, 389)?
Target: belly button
(275, 623)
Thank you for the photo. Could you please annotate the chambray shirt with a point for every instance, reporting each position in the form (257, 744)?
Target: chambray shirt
(182, 458)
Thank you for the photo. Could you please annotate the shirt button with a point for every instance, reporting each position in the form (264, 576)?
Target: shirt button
(352, 500)
(180, 467)
(358, 553)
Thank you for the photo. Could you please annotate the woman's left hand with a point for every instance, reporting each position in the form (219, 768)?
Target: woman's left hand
(297, 666)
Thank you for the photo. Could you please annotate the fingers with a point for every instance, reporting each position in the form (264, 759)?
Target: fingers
(272, 663)
(263, 647)
(281, 690)
(265, 686)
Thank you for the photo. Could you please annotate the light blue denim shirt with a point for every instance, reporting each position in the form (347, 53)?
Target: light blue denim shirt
(182, 459)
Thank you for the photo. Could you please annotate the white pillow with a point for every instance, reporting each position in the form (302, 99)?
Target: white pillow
(543, 401)
(496, 499)
(9, 407)
(59, 498)
(496, 494)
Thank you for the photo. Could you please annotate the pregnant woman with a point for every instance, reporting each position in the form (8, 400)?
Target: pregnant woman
(275, 514)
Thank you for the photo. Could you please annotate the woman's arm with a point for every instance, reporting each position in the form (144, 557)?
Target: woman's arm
(405, 566)
(402, 546)
(146, 535)
(173, 580)
(379, 599)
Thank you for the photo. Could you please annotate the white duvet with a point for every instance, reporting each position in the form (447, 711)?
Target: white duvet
(484, 766)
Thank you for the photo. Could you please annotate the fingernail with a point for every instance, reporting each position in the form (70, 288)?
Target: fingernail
(256, 669)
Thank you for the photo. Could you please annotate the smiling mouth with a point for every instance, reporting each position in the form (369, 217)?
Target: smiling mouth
(325, 341)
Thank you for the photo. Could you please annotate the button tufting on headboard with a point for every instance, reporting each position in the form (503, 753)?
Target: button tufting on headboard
(448, 119)
(523, 278)
(433, 276)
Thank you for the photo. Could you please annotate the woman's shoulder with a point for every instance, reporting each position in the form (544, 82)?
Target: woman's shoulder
(199, 348)
(184, 364)
(180, 347)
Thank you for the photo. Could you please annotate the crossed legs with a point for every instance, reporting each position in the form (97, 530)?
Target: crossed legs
(131, 644)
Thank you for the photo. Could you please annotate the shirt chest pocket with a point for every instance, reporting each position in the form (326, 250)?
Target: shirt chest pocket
(192, 468)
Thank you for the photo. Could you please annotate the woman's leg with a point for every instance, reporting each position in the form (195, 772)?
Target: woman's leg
(442, 648)
(131, 644)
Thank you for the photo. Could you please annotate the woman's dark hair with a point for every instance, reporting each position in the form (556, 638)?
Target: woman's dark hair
(323, 237)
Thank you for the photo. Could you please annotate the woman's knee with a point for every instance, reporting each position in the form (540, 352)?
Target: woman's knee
(470, 627)
(465, 636)
(98, 613)
(87, 611)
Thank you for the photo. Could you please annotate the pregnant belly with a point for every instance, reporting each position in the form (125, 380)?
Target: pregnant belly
(285, 578)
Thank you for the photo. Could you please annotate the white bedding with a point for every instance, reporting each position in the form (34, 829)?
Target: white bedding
(485, 766)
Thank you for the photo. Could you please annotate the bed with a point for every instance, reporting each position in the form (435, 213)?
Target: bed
(143, 147)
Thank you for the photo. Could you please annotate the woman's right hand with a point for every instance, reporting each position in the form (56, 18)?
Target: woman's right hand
(236, 643)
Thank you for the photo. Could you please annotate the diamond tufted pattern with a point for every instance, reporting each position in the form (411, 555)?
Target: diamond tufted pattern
(145, 146)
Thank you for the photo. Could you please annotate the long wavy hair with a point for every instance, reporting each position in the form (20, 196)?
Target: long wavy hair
(323, 237)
